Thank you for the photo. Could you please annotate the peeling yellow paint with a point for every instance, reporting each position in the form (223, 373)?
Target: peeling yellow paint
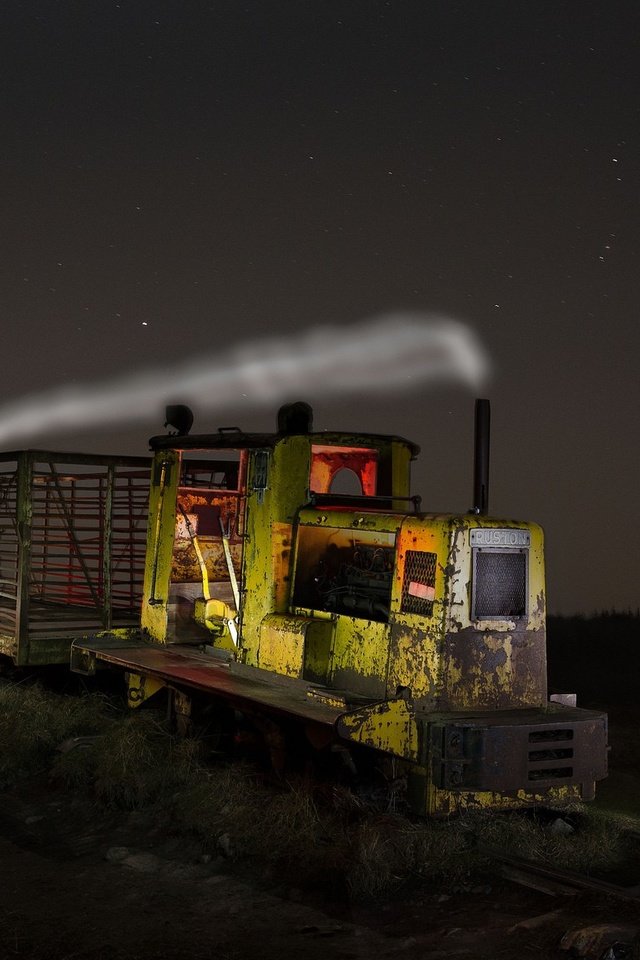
(140, 688)
(431, 801)
(389, 726)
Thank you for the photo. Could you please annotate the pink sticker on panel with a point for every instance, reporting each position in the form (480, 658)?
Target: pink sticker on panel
(421, 590)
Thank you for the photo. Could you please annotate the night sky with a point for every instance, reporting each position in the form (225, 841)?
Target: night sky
(179, 177)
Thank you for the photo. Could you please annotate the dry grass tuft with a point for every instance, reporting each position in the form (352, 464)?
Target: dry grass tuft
(133, 763)
(265, 822)
(140, 763)
(34, 722)
(597, 843)
(386, 852)
(307, 836)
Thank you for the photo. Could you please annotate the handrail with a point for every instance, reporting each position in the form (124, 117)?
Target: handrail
(340, 499)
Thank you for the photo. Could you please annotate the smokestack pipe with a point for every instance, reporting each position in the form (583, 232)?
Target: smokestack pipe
(481, 457)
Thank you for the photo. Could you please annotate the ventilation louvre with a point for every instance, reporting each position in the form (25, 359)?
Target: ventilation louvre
(553, 751)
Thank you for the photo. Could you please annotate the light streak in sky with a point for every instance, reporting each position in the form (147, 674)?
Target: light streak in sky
(393, 353)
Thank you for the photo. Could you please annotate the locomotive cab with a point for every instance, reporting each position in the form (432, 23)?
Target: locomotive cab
(225, 511)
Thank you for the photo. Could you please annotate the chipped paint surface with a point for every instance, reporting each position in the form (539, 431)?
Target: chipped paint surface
(415, 660)
(284, 642)
(266, 565)
(389, 726)
(494, 671)
(360, 652)
(428, 800)
(281, 545)
(448, 660)
(160, 538)
(140, 688)
(493, 663)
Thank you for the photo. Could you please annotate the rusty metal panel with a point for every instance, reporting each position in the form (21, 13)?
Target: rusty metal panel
(494, 646)
(494, 668)
(389, 726)
(282, 641)
(419, 606)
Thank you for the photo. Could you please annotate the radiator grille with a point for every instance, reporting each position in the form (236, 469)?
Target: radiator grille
(419, 582)
(500, 584)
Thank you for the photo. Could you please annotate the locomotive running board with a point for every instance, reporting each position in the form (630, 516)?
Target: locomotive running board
(177, 665)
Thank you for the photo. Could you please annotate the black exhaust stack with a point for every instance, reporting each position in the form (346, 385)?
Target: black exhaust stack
(481, 458)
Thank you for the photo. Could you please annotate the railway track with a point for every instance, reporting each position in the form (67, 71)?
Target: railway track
(554, 880)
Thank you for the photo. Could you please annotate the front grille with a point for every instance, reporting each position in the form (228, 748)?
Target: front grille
(500, 584)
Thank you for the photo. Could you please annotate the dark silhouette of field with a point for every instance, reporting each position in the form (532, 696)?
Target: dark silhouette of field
(597, 657)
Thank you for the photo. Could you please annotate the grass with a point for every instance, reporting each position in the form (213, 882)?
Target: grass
(599, 841)
(34, 722)
(296, 833)
(133, 763)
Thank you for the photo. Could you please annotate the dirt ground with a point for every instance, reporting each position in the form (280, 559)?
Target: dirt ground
(80, 883)
(117, 891)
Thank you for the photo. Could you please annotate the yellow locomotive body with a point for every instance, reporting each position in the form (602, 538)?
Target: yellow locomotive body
(418, 635)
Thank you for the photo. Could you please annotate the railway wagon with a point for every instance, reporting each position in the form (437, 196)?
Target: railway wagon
(293, 578)
(72, 543)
